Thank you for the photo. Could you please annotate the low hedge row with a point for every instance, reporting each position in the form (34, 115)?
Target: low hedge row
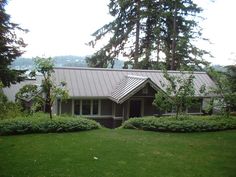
(45, 125)
(187, 124)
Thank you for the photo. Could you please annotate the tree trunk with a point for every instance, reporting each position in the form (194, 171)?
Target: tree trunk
(137, 33)
(48, 108)
(177, 111)
(173, 61)
(148, 45)
(50, 113)
(159, 31)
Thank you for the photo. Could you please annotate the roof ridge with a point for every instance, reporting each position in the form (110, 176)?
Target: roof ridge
(125, 70)
(136, 77)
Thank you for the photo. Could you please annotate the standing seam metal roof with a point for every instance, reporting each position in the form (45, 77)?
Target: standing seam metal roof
(127, 85)
(100, 82)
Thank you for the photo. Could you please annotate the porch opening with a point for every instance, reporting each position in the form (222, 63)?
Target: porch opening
(135, 108)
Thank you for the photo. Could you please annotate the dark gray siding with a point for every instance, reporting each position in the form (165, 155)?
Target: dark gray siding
(106, 107)
(149, 109)
(119, 110)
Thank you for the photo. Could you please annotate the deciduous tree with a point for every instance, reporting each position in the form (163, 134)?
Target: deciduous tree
(50, 90)
(179, 92)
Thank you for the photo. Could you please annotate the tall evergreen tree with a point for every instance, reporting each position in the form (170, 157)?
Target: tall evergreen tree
(124, 31)
(141, 30)
(10, 47)
(181, 28)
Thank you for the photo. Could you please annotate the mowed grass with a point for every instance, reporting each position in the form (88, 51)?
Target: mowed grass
(120, 153)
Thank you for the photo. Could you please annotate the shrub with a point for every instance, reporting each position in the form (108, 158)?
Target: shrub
(42, 124)
(186, 124)
(10, 110)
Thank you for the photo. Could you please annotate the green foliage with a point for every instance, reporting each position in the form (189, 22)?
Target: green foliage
(142, 29)
(186, 124)
(10, 47)
(50, 90)
(29, 98)
(39, 123)
(225, 92)
(179, 92)
(8, 109)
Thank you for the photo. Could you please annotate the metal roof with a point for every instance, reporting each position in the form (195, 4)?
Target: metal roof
(100, 82)
(11, 91)
(127, 87)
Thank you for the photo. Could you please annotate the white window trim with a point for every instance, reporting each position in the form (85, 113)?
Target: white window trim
(91, 108)
(73, 107)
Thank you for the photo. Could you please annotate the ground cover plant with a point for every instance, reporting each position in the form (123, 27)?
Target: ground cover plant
(183, 124)
(119, 153)
(40, 123)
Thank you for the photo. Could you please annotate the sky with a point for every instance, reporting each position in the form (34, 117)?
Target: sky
(63, 27)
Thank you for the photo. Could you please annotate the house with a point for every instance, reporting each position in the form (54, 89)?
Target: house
(111, 96)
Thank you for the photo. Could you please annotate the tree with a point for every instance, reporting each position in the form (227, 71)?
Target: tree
(225, 89)
(124, 31)
(50, 90)
(179, 92)
(141, 30)
(30, 98)
(8, 109)
(180, 30)
(10, 47)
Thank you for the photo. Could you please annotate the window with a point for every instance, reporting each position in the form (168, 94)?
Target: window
(77, 107)
(195, 107)
(86, 107)
(95, 107)
(86, 104)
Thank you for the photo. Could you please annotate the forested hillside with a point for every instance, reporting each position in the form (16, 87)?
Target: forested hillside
(60, 61)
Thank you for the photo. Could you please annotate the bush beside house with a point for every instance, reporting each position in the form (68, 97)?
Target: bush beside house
(185, 124)
(40, 123)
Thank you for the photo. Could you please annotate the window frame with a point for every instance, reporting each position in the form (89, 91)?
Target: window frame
(91, 111)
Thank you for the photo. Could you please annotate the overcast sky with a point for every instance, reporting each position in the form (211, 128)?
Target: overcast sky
(62, 27)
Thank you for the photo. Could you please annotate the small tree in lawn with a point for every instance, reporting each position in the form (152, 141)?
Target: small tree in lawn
(50, 89)
(30, 99)
(179, 92)
(225, 89)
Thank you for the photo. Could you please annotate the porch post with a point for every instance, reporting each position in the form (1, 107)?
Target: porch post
(73, 107)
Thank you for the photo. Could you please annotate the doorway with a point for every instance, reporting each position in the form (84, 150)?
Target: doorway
(135, 108)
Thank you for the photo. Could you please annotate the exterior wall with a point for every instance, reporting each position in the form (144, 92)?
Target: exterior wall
(147, 91)
(149, 108)
(55, 108)
(112, 115)
(106, 107)
(66, 107)
(146, 95)
(108, 122)
(126, 110)
(196, 107)
(119, 110)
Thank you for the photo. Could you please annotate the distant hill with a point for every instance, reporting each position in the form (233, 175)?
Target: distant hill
(59, 61)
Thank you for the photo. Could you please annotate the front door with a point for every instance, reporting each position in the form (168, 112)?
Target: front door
(135, 108)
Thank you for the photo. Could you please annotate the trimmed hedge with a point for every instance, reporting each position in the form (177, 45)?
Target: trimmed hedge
(43, 124)
(185, 124)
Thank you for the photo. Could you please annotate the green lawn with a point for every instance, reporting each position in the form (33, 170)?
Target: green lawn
(124, 153)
